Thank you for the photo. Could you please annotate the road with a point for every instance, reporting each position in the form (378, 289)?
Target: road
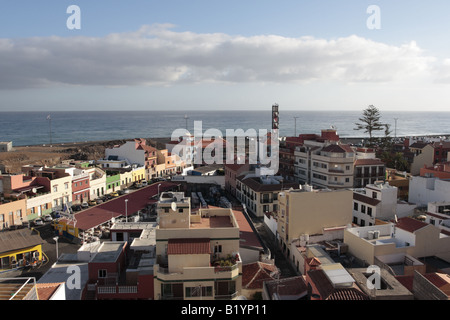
(282, 263)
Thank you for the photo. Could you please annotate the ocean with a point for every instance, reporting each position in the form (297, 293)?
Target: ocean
(33, 128)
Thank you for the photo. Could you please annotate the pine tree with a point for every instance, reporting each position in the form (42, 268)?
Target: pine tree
(370, 121)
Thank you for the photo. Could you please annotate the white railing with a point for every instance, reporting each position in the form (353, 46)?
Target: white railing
(117, 289)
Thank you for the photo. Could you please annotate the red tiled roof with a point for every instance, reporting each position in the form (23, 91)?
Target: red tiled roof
(347, 294)
(254, 274)
(102, 213)
(341, 148)
(410, 224)
(367, 162)
(46, 290)
(189, 246)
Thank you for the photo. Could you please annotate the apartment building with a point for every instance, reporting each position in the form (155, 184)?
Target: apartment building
(259, 192)
(378, 201)
(306, 213)
(324, 162)
(35, 190)
(197, 253)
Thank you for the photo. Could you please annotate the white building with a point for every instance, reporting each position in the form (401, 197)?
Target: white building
(438, 214)
(378, 201)
(423, 190)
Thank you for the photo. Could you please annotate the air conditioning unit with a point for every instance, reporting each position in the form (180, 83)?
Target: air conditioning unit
(376, 234)
(370, 234)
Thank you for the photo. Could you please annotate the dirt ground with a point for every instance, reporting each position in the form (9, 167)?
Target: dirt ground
(55, 154)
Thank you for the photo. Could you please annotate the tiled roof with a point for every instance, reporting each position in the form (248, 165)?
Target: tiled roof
(46, 290)
(293, 286)
(19, 239)
(368, 200)
(347, 294)
(341, 148)
(189, 246)
(368, 162)
(328, 292)
(410, 224)
(254, 274)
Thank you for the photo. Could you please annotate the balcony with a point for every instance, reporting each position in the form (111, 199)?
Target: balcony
(228, 267)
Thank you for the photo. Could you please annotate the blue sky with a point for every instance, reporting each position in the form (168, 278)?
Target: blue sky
(224, 54)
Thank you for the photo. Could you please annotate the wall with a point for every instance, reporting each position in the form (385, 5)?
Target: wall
(127, 151)
(423, 190)
(425, 290)
(12, 212)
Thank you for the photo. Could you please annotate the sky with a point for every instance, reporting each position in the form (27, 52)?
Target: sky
(224, 55)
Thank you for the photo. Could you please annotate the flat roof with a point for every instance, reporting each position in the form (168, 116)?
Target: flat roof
(109, 251)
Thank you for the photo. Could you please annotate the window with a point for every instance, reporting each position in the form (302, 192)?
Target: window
(355, 206)
(218, 248)
(363, 208)
(374, 195)
(199, 291)
(55, 189)
(102, 273)
(369, 211)
(180, 210)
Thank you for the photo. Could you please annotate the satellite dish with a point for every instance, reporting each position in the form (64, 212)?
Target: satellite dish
(174, 206)
(34, 190)
(113, 219)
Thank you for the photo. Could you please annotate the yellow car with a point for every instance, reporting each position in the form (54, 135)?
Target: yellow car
(114, 194)
(92, 202)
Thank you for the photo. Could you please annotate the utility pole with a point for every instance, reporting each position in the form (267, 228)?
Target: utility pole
(295, 130)
(49, 118)
(395, 130)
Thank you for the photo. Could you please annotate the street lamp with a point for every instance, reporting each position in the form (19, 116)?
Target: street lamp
(56, 239)
(126, 210)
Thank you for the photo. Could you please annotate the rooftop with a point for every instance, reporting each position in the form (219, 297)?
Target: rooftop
(109, 251)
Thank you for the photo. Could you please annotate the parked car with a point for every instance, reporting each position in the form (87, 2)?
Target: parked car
(48, 218)
(84, 205)
(55, 214)
(98, 200)
(38, 222)
(114, 194)
(126, 191)
(144, 183)
(92, 202)
(120, 192)
(76, 207)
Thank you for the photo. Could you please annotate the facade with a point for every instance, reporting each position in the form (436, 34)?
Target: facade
(259, 192)
(438, 214)
(80, 187)
(306, 212)
(368, 171)
(423, 190)
(378, 201)
(6, 146)
(13, 213)
(324, 162)
(232, 171)
(97, 182)
(197, 254)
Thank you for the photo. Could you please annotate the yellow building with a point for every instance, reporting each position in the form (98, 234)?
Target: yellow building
(305, 213)
(138, 174)
(197, 254)
(20, 248)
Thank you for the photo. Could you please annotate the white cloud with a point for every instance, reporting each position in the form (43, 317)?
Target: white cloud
(157, 55)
